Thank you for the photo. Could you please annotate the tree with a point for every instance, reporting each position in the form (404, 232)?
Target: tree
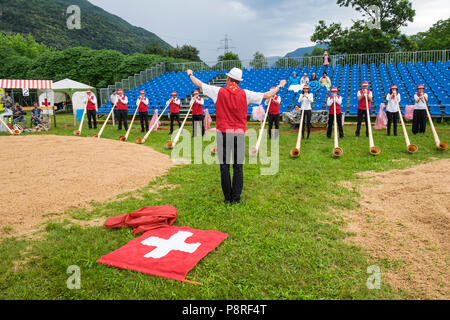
(259, 61)
(287, 62)
(187, 52)
(359, 38)
(317, 51)
(228, 61)
(393, 13)
(436, 38)
(154, 47)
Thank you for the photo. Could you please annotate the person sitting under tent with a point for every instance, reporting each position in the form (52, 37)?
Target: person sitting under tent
(19, 115)
(294, 83)
(36, 115)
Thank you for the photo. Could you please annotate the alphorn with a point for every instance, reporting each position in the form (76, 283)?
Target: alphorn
(254, 150)
(295, 152)
(78, 132)
(373, 149)
(441, 145)
(337, 152)
(7, 128)
(412, 148)
(104, 125)
(142, 140)
(171, 144)
(125, 138)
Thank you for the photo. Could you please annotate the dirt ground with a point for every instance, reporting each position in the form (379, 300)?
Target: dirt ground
(404, 217)
(45, 175)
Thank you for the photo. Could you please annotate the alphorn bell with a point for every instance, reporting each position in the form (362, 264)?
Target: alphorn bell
(254, 150)
(13, 133)
(373, 149)
(337, 152)
(125, 138)
(78, 132)
(412, 148)
(104, 125)
(295, 152)
(441, 145)
(171, 144)
(142, 140)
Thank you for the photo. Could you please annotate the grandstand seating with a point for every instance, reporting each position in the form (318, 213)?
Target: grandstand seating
(434, 76)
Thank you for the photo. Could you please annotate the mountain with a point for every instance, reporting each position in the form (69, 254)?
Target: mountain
(300, 52)
(46, 21)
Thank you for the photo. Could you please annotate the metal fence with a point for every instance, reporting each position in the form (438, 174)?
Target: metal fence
(287, 62)
(132, 82)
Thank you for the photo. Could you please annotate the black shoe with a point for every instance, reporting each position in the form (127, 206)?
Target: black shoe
(328, 137)
(239, 201)
(227, 201)
(342, 137)
(395, 134)
(357, 135)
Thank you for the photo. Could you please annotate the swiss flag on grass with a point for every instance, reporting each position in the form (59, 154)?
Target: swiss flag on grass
(169, 252)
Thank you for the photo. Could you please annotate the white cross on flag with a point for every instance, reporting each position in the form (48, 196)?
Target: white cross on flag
(169, 252)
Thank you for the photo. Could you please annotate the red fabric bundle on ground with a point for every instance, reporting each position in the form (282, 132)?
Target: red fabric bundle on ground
(144, 219)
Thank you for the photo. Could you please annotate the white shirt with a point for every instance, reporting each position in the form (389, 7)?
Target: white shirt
(213, 92)
(304, 80)
(176, 101)
(392, 105)
(199, 100)
(306, 102)
(145, 101)
(362, 95)
(420, 105)
(331, 99)
(123, 98)
(93, 99)
(277, 100)
(113, 98)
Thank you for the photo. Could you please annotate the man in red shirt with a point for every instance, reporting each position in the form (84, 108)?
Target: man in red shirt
(122, 109)
(142, 105)
(174, 110)
(197, 113)
(274, 114)
(362, 95)
(334, 99)
(231, 122)
(90, 101)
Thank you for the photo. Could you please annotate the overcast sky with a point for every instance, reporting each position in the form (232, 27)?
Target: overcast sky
(274, 27)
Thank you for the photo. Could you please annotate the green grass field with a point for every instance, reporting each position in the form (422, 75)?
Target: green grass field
(286, 241)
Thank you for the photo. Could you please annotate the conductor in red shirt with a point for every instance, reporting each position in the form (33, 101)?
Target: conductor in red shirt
(231, 123)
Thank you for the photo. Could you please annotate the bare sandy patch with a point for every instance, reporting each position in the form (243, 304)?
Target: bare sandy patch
(44, 175)
(404, 216)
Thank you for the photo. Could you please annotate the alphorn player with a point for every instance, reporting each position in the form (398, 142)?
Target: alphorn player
(142, 104)
(122, 109)
(305, 100)
(274, 114)
(334, 99)
(174, 110)
(362, 95)
(393, 99)
(420, 114)
(231, 122)
(197, 113)
(90, 101)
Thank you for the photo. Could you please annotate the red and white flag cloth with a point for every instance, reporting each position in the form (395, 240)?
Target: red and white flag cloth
(169, 252)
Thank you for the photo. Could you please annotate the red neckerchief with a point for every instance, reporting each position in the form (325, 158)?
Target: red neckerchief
(233, 87)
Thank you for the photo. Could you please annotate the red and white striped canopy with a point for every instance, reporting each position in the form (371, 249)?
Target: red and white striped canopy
(30, 84)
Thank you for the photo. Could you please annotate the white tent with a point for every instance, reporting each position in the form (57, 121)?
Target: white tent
(75, 90)
(70, 84)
